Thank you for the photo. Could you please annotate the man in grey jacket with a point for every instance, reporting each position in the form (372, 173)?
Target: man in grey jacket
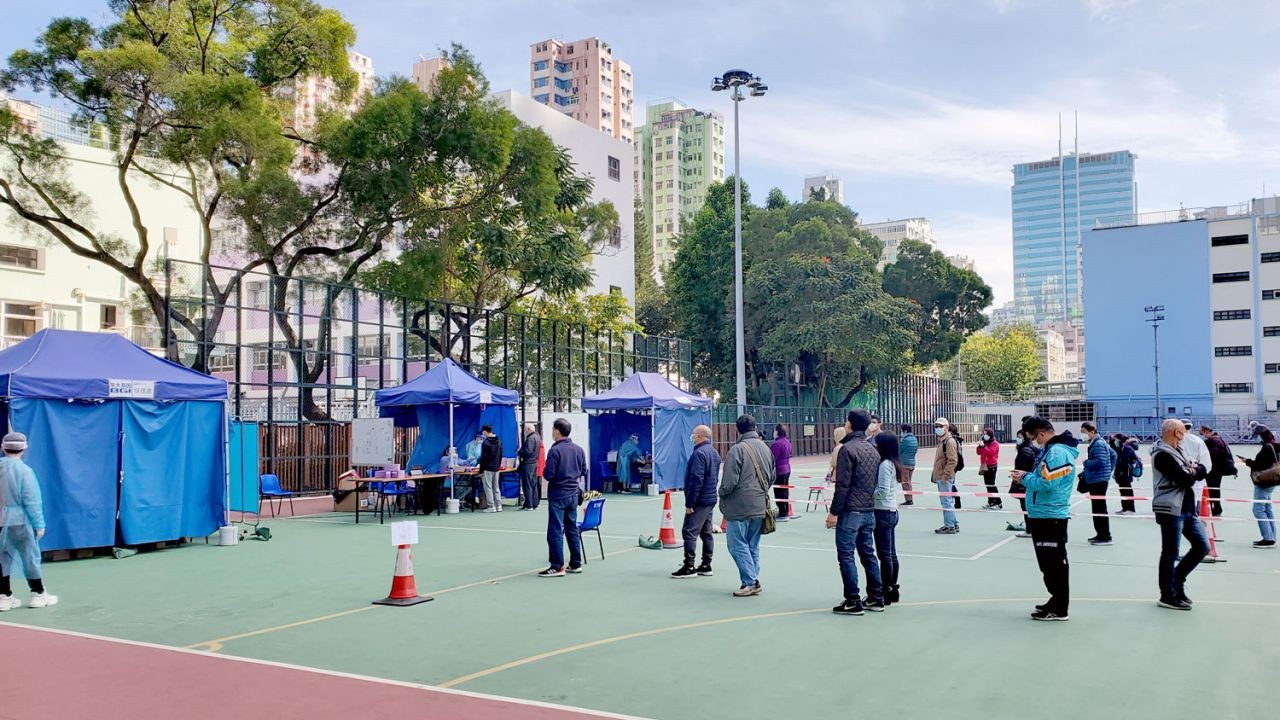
(530, 483)
(744, 499)
(1174, 474)
(853, 516)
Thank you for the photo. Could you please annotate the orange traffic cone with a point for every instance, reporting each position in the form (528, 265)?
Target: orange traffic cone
(404, 591)
(1207, 515)
(667, 533)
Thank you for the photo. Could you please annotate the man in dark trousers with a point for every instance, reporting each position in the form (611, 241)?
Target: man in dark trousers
(530, 483)
(852, 514)
(491, 468)
(566, 466)
(700, 495)
(1173, 477)
(1223, 465)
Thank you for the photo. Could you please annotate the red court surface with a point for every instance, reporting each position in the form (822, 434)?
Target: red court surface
(53, 674)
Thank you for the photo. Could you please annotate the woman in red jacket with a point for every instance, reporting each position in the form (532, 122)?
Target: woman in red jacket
(988, 458)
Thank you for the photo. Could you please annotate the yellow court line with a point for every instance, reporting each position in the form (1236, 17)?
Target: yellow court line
(765, 616)
(216, 645)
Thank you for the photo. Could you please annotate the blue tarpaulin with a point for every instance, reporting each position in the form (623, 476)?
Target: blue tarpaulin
(242, 447)
(665, 431)
(117, 432)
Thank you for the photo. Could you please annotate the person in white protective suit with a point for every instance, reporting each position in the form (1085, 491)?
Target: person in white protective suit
(21, 525)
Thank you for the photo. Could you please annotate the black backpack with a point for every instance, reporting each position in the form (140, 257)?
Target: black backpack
(959, 455)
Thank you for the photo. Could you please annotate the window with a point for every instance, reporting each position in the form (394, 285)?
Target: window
(222, 359)
(1225, 240)
(109, 313)
(1271, 257)
(264, 359)
(257, 294)
(615, 237)
(542, 82)
(1232, 314)
(615, 290)
(1231, 277)
(1271, 331)
(542, 98)
(21, 257)
(1272, 369)
(368, 351)
(1271, 294)
(539, 65)
(21, 320)
(615, 168)
(1233, 351)
(1226, 388)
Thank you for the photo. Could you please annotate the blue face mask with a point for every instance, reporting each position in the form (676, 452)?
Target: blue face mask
(939, 431)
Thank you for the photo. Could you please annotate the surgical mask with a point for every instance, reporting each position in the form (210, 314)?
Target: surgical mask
(986, 438)
(1037, 444)
(939, 431)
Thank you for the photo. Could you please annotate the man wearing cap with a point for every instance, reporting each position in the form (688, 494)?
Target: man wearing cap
(945, 460)
(21, 525)
(629, 459)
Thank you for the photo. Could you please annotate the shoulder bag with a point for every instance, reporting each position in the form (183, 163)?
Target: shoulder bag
(770, 521)
(1271, 476)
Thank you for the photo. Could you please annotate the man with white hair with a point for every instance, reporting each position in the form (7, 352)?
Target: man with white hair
(701, 475)
(530, 484)
(21, 525)
(1174, 475)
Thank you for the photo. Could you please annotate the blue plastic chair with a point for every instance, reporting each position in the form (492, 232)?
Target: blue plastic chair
(607, 475)
(592, 518)
(269, 488)
(392, 489)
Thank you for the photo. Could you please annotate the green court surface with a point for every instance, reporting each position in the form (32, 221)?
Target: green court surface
(624, 638)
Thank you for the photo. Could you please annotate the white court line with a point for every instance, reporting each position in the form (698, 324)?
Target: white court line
(993, 548)
(319, 521)
(831, 550)
(330, 673)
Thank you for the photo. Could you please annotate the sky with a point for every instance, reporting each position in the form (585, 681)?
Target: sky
(921, 107)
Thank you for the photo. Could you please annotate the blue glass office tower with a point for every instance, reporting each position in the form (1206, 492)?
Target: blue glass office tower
(1048, 224)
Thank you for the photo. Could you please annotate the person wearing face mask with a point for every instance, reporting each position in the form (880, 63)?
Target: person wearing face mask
(701, 475)
(1173, 475)
(1098, 466)
(988, 459)
(1048, 493)
(1127, 462)
(945, 459)
(1223, 465)
(1023, 462)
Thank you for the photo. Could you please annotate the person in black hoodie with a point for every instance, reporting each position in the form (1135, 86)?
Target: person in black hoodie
(491, 468)
(1024, 462)
(1126, 460)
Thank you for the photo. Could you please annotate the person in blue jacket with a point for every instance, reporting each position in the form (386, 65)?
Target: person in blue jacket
(1098, 466)
(1048, 488)
(701, 478)
(21, 525)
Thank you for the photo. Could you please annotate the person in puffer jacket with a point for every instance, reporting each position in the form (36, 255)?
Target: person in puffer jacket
(1126, 460)
(1097, 473)
(1049, 488)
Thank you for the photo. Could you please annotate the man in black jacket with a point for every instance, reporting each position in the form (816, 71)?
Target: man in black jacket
(1174, 503)
(530, 483)
(1223, 465)
(491, 468)
(700, 495)
(853, 516)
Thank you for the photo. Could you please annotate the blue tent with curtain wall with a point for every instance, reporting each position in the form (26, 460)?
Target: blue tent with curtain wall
(128, 447)
(663, 415)
(447, 401)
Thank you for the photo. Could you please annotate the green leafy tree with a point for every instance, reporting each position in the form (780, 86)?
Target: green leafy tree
(1003, 361)
(950, 300)
(653, 309)
(776, 200)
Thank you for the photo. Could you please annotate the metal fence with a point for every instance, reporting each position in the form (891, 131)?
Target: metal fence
(304, 357)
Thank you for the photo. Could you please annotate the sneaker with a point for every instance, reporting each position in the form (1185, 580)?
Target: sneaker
(1265, 544)
(1174, 603)
(946, 530)
(1182, 595)
(1023, 534)
(705, 570)
(499, 508)
(894, 594)
(685, 571)
(44, 599)
(782, 518)
(906, 503)
(1042, 614)
(1099, 541)
(1126, 512)
(747, 590)
(874, 605)
(9, 602)
(848, 607)
(552, 572)
(992, 507)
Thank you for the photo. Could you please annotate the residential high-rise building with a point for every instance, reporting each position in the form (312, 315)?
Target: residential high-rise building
(314, 94)
(1049, 223)
(832, 188)
(893, 232)
(425, 71)
(679, 152)
(607, 161)
(583, 80)
(1216, 274)
(1053, 355)
(1004, 315)
(963, 262)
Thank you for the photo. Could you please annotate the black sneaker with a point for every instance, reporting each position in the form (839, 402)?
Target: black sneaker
(848, 607)
(552, 572)
(946, 530)
(1182, 595)
(906, 502)
(704, 570)
(1174, 603)
(894, 595)
(685, 571)
(874, 605)
(1041, 614)
(1099, 541)
(575, 569)
(1265, 544)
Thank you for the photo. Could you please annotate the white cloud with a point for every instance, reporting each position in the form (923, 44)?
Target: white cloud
(987, 240)
(1107, 8)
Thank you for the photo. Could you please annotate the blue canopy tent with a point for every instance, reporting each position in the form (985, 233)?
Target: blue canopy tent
(449, 406)
(663, 415)
(128, 447)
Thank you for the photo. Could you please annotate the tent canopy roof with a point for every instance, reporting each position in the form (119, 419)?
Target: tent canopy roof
(645, 391)
(87, 365)
(447, 382)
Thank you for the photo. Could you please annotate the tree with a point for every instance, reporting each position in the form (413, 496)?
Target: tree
(776, 200)
(653, 309)
(1004, 361)
(951, 300)
(818, 194)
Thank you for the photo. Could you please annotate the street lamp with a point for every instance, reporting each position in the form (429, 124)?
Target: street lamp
(735, 81)
(1154, 316)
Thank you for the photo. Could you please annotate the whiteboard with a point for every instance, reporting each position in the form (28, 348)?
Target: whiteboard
(373, 441)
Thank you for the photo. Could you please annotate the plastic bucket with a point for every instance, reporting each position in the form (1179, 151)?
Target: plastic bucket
(451, 506)
(228, 535)
(653, 489)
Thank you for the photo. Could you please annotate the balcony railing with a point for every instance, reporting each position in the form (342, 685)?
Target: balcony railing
(1220, 212)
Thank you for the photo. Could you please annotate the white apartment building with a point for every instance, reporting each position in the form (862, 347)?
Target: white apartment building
(893, 232)
(1053, 355)
(833, 187)
(608, 162)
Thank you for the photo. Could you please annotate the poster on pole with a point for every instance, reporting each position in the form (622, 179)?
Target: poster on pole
(373, 441)
(404, 533)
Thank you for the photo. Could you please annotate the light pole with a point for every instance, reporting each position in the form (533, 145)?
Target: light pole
(1154, 316)
(735, 80)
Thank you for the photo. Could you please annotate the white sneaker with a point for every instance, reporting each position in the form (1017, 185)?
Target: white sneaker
(9, 602)
(44, 599)
(499, 508)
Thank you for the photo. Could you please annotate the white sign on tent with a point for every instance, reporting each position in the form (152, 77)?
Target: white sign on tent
(373, 441)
